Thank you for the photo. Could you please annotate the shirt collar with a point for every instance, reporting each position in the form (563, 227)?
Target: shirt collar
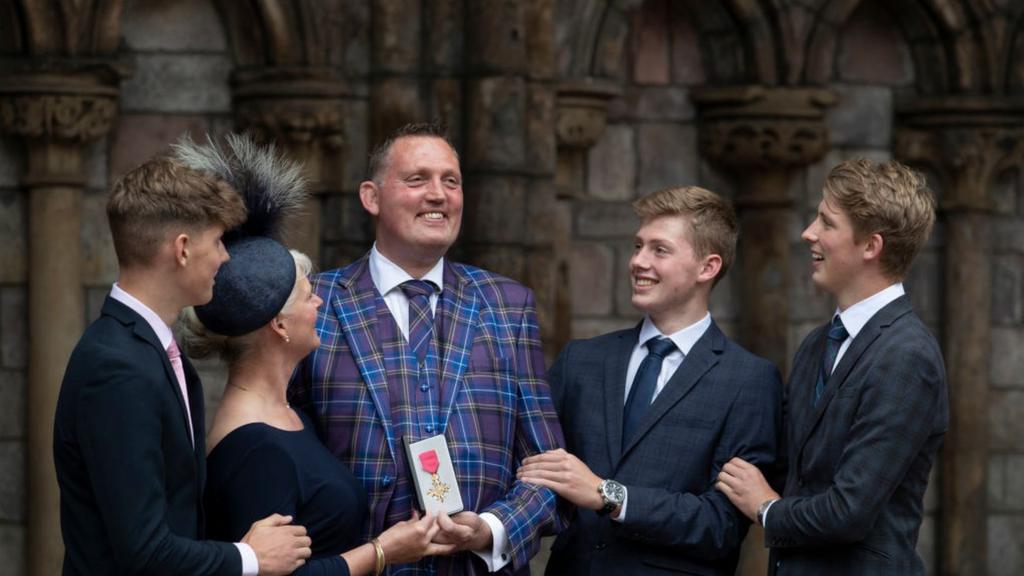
(387, 275)
(856, 316)
(163, 331)
(684, 339)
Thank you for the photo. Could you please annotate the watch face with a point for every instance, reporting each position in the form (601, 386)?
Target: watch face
(614, 492)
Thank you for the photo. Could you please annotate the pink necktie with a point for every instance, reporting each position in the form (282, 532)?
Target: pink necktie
(174, 354)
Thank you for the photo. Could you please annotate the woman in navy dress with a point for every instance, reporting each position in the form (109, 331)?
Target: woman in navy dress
(265, 458)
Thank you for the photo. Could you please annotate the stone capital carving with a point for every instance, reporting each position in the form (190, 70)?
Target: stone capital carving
(766, 128)
(967, 143)
(57, 115)
(54, 108)
(293, 120)
(302, 106)
(582, 112)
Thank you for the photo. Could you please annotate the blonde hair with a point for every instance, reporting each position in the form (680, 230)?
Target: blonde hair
(888, 199)
(713, 226)
(199, 342)
(163, 192)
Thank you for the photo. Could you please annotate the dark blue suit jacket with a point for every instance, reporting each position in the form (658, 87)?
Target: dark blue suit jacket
(130, 479)
(722, 402)
(859, 460)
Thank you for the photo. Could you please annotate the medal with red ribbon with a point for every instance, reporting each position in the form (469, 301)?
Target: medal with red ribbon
(429, 463)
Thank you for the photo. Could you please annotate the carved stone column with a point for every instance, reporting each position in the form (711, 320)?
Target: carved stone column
(579, 124)
(302, 110)
(56, 116)
(763, 136)
(580, 120)
(509, 157)
(967, 144)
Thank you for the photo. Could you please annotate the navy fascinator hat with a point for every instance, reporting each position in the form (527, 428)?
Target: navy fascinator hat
(253, 286)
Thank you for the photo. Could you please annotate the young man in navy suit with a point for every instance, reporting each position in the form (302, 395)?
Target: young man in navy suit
(129, 439)
(867, 405)
(650, 414)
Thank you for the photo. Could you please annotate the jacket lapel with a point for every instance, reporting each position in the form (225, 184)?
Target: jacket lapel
(356, 308)
(702, 357)
(615, 365)
(143, 331)
(459, 306)
(865, 338)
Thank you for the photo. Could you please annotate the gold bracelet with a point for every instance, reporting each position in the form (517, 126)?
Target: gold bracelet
(381, 563)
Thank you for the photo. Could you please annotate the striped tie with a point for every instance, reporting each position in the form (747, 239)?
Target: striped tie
(421, 319)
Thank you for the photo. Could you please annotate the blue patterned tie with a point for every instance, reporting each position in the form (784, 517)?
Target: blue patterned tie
(646, 380)
(836, 335)
(421, 319)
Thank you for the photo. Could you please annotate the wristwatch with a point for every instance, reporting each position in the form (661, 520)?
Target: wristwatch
(764, 508)
(612, 493)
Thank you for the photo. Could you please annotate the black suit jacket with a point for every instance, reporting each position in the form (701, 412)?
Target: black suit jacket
(130, 479)
(721, 402)
(859, 460)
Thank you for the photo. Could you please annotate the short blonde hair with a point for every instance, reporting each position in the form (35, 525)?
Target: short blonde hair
(888, 199)
(713, 226)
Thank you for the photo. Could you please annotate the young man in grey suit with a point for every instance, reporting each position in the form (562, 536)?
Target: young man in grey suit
(650, 414)
(866, 404)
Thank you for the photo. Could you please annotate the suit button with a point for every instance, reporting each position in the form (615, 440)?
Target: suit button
(799, 481)
(385, 481)
(599, 546)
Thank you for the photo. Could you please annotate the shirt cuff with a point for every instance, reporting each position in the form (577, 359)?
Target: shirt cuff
(764, 517)
(622, 509)
(250, 565)
(499, 555)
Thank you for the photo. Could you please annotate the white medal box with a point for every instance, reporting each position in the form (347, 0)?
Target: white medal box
(439, 491)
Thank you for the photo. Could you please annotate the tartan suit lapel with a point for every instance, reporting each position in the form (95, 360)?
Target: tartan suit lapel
(459, 308)
(356, 309)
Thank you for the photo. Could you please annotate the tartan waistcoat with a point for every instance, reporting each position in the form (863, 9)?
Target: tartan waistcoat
(415, 403)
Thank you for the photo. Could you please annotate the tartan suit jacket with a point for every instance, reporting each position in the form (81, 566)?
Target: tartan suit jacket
(493, 398)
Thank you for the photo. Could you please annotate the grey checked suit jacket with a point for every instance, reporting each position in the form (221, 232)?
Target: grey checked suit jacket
(859, 460)
(722, 402)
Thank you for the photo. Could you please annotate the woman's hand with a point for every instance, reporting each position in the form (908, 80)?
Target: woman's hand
(410, 540)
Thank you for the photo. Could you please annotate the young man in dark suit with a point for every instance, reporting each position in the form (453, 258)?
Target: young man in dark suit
(129, 440)
(650, 414)
(867, 405)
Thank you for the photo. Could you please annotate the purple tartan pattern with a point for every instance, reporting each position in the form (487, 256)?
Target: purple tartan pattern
(492, 396)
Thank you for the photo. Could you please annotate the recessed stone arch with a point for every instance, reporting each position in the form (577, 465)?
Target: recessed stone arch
(943, 46)
(739, 42)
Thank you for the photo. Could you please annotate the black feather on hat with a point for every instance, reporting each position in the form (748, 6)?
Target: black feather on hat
(252, 287)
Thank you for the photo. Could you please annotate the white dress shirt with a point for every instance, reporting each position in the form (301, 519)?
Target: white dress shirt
(387, 278)
(684, 340)
(250, 565)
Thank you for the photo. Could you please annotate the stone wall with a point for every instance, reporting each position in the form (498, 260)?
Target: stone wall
(13, 338)
(181, 61)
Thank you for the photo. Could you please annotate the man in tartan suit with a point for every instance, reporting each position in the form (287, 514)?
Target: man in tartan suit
(413, 345)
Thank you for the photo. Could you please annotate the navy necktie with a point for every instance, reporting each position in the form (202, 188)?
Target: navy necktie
(837, 334)
(644, 383)
(421, 319)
